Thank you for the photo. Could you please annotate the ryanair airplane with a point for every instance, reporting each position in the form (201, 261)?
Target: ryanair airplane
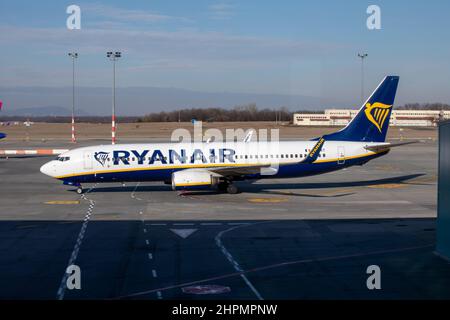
(217, 165)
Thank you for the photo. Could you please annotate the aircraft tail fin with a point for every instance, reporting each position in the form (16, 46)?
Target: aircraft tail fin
(372, 121)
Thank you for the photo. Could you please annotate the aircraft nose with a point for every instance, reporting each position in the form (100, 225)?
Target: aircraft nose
(47, 169)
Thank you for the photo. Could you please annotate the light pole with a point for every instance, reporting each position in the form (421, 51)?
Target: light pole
(113, 56)
(362, 56)
(73, 55)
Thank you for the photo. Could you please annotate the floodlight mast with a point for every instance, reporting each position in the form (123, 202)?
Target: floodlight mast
(362, 56)
(73, 56)
(113, 56)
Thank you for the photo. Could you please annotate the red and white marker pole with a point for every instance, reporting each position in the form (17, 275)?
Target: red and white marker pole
(74, 140)
(113, 130)
(73, 55)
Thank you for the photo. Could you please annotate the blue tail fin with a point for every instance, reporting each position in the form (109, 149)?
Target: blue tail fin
(372, 121)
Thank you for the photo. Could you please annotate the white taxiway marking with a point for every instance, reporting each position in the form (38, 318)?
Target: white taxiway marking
(235, 264)
(183, 233)
(76, 249)
(147, 242)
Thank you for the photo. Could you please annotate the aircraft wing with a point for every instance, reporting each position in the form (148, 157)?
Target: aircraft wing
(238, 170)
(265, 168)
(386, 146)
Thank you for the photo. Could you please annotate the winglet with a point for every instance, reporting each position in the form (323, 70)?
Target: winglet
(315, 151)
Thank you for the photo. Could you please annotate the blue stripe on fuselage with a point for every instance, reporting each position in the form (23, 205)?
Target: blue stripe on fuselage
(285, 171)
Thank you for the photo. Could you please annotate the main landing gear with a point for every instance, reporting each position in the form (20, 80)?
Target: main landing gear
(232, 189)
(227, 186)
(80, 190)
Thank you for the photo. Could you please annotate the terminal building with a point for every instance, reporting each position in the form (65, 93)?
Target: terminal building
(340, 117)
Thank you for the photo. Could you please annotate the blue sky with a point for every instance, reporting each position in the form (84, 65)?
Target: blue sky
(277, 47)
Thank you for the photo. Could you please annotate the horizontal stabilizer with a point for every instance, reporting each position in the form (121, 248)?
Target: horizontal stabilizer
(386, 146)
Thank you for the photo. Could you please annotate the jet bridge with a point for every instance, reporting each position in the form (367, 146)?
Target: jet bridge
(443, 220)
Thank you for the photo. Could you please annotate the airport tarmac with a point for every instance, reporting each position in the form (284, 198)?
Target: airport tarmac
(299, 238)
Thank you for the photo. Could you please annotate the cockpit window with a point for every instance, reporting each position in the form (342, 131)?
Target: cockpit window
(62, 159)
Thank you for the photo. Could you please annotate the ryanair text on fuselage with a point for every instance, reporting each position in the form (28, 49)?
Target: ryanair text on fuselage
(221, 155)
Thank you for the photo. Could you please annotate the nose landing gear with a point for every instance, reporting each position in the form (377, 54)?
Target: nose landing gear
(80, 190)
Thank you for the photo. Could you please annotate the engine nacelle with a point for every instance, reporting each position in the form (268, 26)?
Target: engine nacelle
(193, 179)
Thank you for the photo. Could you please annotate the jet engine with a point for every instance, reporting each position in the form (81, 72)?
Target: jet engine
(193, 179)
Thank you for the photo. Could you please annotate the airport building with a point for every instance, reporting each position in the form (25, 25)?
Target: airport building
(340, 117)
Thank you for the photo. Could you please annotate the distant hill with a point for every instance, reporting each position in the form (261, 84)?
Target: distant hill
(139, 101)
(51, 111)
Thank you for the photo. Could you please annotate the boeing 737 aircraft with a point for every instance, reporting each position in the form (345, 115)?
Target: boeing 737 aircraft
(218, 165)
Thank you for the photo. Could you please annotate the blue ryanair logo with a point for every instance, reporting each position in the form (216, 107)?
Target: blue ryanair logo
(171, 156)
(101, 157)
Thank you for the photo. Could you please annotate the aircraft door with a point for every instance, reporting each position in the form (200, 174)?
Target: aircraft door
(341, 155)
(87, 160)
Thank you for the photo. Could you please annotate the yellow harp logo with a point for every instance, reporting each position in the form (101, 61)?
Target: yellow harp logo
(377, 113)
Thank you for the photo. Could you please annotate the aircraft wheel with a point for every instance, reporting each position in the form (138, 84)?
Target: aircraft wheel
(232, 189)
(79, 190)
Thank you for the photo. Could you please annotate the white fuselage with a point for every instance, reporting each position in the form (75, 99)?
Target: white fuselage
(156, 162)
